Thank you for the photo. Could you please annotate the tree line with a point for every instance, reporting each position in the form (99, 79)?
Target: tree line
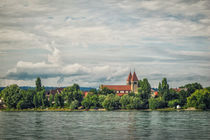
(191, 95)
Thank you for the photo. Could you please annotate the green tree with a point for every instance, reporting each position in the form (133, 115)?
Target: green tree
(144, 89)
(182, 97)
(200, 99)
(11, 95)
(136, 103)
(164, 90)
(26, 100)
(111, 102)
(74, 105)
(125, 101)
(155, 103)
(174, 103)
(192, 88)
(106, 91)
(59, 101)
(144, 92)
(51, 99)
(35, 101)
(91, 101)
(101, 99)
(38, 84)
(72, 93)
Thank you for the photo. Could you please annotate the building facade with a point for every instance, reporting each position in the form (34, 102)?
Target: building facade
(131, 85)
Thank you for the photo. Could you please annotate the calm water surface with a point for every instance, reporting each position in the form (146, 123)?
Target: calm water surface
(105, 125)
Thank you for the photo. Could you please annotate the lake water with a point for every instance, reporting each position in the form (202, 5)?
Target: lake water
(105, 125)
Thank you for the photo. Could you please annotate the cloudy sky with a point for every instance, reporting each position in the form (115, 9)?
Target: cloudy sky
(99, 41)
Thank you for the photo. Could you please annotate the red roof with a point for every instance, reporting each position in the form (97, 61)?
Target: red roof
(156, 93)
(129, 77)
(118, 87)
(134, 77)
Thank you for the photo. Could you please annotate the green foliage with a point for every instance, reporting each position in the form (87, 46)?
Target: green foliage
(174, 103)
(131, 102)
(51, 99)
(59, 101)
(106, 91)
(91, 101)
(192, 88)
(111, 102)
(124, 101)
(35, 101)
(182, 97)
(26, 99)
(163, 90)
(72, 93)
(94, 91)
(200, 99)
(38, 84)
(136, 103)
(155, 103)
(42, 100)
(144, 89)
(11, 95)
(101, 99)
(74, 105)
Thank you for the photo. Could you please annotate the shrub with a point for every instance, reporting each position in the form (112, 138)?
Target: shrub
(155, 103)
(74, 104)
(200, 99)
(173, 103)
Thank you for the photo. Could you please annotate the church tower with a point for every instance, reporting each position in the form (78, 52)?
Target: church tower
(129, 79)
(134, 83)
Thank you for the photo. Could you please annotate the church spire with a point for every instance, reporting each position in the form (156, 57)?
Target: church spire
(134, 77)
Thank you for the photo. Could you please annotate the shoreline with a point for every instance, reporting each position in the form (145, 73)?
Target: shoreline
(93, 110)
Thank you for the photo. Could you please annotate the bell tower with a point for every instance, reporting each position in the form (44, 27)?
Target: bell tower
(134, 83)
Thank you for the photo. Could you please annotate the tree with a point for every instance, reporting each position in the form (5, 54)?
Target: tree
(192, 88)
(35, 101)
(163, 89)
(74, 105)
(144, 92)
(182, 97)
(155, 103)
(38, 84)
(72, 93)
(125, 101)
(144, 89)
(101, 99)
(111, 102)
(59, 101)
(106, 91)
(91, 101)
(200, 99)
(26, 100)
(173, 103)
(11, 95)
(51, 99)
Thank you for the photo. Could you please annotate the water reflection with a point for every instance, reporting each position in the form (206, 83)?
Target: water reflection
(105, 125)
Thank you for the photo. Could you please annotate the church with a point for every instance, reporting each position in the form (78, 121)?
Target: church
(131, 85)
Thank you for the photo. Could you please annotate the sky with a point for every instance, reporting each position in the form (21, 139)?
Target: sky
(100, 41)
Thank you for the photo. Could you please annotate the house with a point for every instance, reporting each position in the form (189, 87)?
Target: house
(131, 85)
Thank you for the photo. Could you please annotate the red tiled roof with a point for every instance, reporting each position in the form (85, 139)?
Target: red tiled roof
(118, 87)
(156, 93)
(129, 77)
(134, 77)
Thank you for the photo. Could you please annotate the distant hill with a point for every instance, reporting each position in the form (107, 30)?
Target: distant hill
(50, 88)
